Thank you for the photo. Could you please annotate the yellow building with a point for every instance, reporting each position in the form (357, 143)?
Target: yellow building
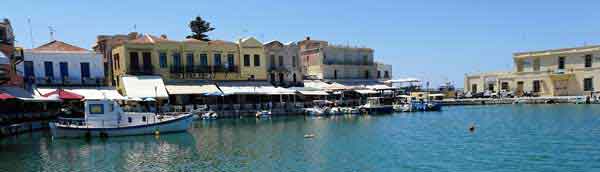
(557, 72)
(189, 60)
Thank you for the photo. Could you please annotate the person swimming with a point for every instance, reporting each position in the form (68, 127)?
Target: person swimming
(472, 128)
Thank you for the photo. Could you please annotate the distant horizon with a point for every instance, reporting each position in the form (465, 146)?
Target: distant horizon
(435, 41)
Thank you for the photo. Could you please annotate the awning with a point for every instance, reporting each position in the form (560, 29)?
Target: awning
(379, 87)
(209, 89)
(5, 96)
(64, 95)
(366, 91)
(276, 91)
(314, 93)
(437, 95)
(230, 90)
(144, 86)
(89, 93)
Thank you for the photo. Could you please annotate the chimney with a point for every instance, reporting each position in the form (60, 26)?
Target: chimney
(163, 36)
(308, 38)
(133, 35)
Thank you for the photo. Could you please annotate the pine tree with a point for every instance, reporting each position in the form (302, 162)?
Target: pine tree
(199, 27)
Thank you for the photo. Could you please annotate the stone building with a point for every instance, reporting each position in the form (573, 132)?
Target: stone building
(555, 72)
(384, 71)
(332, 62)
(104, 45)
(9, 55)
(283, 63)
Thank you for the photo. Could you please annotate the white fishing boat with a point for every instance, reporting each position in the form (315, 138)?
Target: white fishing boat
(314, 111)
(105, 118)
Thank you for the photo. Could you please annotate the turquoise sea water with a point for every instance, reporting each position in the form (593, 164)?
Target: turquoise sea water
(507, 138)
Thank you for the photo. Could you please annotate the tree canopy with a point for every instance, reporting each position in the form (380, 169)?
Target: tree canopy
(199, 28)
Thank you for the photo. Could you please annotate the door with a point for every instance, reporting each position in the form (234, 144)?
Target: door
(28, 69)
(64, 70)
(520, 86)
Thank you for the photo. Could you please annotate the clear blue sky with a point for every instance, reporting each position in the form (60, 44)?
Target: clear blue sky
(436, 40)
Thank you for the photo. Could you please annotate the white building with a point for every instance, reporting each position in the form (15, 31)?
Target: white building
(59, 63)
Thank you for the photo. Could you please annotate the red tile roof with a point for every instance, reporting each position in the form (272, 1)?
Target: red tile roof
(59, 46)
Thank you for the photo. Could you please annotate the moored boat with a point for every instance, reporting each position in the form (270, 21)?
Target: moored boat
(105, 118)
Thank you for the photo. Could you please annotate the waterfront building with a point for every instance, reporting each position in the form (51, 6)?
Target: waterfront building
(9, 55)
(555, 72)
(104, 45)
(384, 71)
(283, 63)
(57, 63)
(332, 62)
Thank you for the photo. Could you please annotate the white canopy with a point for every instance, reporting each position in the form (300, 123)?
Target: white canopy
(366, 91)
(144, 86)
(314, 93)
(378, 87)
(210, 89)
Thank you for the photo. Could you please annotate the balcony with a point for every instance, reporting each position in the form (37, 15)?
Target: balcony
(145, 70)
(278, 69)
(51, 81)
(363, 63)
(203, 69)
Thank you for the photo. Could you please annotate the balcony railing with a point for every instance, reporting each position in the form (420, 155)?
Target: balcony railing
(64, 81)
(204, 69)
(348, 63)
(145, 70)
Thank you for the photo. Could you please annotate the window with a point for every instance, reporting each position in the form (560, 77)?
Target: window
(280, 60)
(294, 78)
(3, 36)
(134, 61)
(147, 60)
(64, 70)
(378, 74)
(588, 60)
(246, 60)
(536, 64)
(536, 86)
(117, 62)
(96, 109)
(386, 74)
(588, 84)
(162, 59)
(176, 59)
(504, 86)
(366, 74)
(85, 70)
(28, 65)
(204, 59)
(252, 77)
(256, 60)
(294, 61)
(561, 63)
(217, 60)
(129, 119)
(334, 74)
(491, 87)
(189, 59)
(474, 88)
(272, 60)
(143, 118)
(230, 60)
(48, 69)
(365, 60)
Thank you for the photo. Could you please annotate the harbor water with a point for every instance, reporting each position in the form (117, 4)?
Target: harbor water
(506, 138)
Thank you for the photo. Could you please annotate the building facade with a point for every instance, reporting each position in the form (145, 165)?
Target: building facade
(283, 63)
(104, 45)
(189, 60)
(556, 72)
(59, 63)
(9, 55)
(384, 71)
(331, 62)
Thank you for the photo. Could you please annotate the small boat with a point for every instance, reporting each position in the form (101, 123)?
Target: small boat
(105, 118)
(350, 111)
(263, 114)
(402, 108)
(315, 111)
(309, 136)
(209, 115)
(373, 106)
(334, 111)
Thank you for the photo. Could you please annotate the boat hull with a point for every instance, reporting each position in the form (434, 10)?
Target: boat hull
(175, 125)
